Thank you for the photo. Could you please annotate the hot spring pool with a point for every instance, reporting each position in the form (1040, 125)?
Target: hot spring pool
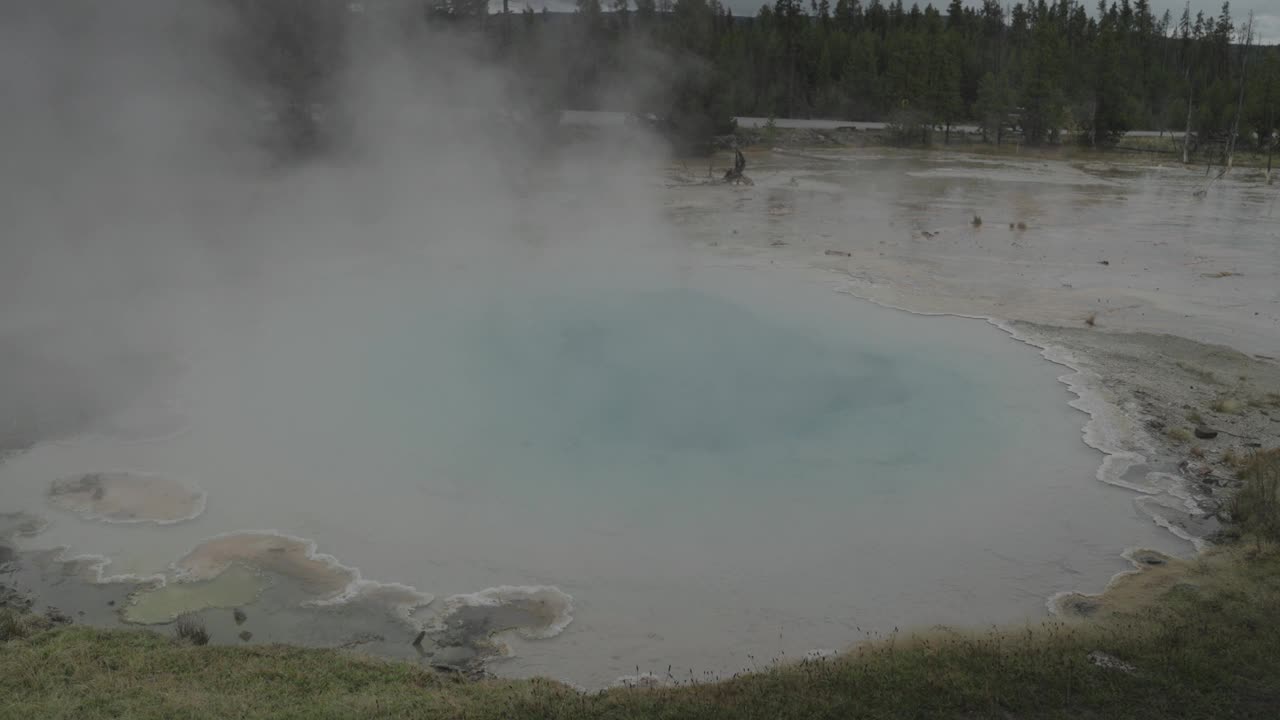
(717, 465)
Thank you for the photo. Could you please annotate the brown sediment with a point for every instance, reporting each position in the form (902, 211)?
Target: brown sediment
(126, 497)
(319, 575)
(471, 621)
(400, 600)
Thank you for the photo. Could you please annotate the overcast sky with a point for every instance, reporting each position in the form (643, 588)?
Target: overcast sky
(1266, 12)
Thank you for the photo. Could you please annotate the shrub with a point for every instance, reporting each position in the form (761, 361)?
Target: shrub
(771, 130)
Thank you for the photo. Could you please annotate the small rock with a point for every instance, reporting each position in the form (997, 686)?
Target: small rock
(1205, 432)
(1110, 662)
(839, 253)
(111, 603)
(239, 615)
(245, 635)
(1104, 262)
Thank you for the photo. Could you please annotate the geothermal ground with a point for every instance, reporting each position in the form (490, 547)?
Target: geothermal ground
(704, 452)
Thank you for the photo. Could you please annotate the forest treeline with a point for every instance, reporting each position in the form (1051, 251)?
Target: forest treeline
(1044, 71)
(1039, 69)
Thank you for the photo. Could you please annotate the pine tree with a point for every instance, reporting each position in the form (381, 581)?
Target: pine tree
(994, 106)
(1264, 108)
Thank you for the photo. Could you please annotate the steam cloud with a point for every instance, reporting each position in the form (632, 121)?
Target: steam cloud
(151, 203)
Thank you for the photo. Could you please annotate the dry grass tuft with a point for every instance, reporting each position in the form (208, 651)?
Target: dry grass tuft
(190, 629)
(1226, 406)
(11, 626)
(1256, 506)
(16, 625)
(1178, 434)
(1237, 461)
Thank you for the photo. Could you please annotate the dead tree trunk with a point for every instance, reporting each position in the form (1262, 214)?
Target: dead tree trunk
(1271, 149)
(1244, 65)
(1186, 137)
(734, 175)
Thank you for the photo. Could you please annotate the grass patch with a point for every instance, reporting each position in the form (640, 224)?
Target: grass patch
(1178, 434)
(1199, 372)
(1195, 417)
(15, 625)
(1201, 635)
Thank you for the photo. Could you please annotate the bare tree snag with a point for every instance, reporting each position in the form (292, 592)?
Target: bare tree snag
(1186, 137)
(735, 175)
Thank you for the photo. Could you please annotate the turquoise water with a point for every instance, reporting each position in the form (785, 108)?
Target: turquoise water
(713, 462)
(624, 397)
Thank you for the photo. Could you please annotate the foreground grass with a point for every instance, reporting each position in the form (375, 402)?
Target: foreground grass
(1203, 637)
